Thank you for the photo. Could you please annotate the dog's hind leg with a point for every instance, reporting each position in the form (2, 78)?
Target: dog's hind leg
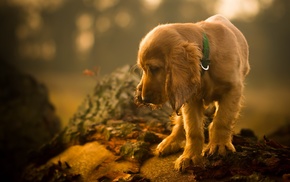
(174, 142)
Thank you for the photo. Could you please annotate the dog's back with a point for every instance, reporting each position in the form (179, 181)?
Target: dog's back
(244, 48)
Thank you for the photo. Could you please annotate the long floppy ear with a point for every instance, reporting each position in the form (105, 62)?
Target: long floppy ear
(184, 73)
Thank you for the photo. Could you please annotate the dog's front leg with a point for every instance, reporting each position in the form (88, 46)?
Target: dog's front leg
(193, 124)
(174, 142)
(221, 129)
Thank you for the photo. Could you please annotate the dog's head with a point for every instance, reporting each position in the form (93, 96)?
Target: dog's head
(170, 66)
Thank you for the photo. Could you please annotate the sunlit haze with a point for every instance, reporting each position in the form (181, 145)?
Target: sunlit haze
(241, 9)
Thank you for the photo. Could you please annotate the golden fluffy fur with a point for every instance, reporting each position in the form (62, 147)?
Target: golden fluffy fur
(169, 56)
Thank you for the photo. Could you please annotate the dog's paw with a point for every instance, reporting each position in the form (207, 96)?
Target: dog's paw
(184, 162)
(221, 149)
(168, 146)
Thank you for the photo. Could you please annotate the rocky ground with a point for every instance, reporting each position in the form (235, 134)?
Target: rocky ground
(27, 119)
(110, 139)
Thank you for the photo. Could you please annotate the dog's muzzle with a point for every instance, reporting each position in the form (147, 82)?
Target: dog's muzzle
(142, 100)
(138, 96)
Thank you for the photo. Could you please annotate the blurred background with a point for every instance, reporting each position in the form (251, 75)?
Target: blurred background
(62, 42)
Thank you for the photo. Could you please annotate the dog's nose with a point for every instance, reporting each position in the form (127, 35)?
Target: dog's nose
(146, 99)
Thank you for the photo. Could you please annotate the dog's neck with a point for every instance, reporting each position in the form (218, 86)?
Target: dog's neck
(205, 62)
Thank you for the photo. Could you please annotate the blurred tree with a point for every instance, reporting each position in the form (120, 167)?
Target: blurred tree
(274, 23)
(74, 35)
(10, 18)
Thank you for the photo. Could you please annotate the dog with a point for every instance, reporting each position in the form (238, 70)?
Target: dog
(170, 57)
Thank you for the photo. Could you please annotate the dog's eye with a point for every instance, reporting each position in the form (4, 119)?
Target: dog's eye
(153, 69)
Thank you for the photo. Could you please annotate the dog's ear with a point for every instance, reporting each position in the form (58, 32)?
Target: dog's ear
(183, 74)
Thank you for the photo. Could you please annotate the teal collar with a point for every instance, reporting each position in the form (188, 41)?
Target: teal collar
(204, 62)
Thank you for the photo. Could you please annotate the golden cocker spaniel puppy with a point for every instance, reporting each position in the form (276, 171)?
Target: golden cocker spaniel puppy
(170, 57)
